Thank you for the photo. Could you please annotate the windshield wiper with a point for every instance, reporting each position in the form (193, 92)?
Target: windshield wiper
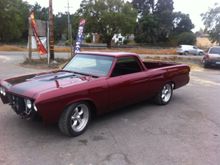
(79, 73)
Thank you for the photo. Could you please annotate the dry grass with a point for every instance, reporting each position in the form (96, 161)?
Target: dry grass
(67, 49)
(137, 50)
(204, 42)
(12, 48)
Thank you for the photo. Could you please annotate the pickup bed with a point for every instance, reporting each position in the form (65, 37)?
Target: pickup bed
(154, 65)
(91, 83)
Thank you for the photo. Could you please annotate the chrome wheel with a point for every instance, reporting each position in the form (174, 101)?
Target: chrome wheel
(75, 119)
(79, 117)
(166, 93)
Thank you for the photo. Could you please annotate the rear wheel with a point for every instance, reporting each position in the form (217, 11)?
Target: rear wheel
(186, 53)
(201, 53)
(165, 94)
(75, 119)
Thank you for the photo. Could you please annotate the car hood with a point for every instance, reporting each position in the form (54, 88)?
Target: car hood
(32, 85)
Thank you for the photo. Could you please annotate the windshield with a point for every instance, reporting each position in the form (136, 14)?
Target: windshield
(90, 64)
(214, 51)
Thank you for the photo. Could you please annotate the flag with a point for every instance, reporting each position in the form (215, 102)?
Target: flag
(41, 49)
(79, 37)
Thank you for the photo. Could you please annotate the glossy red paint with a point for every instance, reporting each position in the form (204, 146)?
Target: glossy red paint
(53, 91)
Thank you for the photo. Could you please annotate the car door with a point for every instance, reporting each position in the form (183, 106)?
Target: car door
(127, 82)
(195, 50)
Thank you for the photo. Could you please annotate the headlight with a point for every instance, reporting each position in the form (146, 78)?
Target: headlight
(35, 108)
(28, 104)
(2, 91)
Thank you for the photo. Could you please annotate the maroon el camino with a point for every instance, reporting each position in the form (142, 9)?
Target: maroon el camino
(91, 83)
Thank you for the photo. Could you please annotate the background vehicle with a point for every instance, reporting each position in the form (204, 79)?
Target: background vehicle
(189, 49)
(212, 58)
(91, 83)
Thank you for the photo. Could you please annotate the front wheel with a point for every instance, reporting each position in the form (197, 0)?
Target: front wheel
(165, 94)
(75, 119)
(205, 64)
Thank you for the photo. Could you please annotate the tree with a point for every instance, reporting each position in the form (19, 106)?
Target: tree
(40, 13)
(147, 29)
(164, 13)
(182, 23)
(107, 17)
(12, 18)
(186, 38)
(211, 20)
(155, 21)
(60, 25)
(158, 23)
(144, 6)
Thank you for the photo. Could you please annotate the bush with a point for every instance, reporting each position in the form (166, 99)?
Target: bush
(126, 41)
(67, 43)
(188, 38)
(88, 39)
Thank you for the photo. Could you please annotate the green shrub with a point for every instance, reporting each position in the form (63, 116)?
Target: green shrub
(188, 38)
(88, 39)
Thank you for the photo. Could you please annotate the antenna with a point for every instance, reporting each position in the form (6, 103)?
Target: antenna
(70, 37)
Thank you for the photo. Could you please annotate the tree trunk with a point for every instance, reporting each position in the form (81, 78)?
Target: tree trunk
(109, 42)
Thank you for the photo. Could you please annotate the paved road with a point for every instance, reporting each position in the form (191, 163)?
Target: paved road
(184, 132)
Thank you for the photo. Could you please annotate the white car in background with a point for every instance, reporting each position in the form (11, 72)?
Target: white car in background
(189, 49)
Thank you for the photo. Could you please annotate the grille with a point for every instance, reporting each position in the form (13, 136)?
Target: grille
(17, 103)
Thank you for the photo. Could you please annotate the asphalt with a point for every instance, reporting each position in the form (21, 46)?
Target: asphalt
(184, 132)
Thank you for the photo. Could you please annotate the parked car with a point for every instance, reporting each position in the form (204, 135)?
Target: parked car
(91, 83)
(189, 49)
(212, 58)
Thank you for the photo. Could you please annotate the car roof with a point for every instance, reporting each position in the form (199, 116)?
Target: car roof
(113, 54)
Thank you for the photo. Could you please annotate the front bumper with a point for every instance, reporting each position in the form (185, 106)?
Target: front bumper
(212, 62)
(19, 105)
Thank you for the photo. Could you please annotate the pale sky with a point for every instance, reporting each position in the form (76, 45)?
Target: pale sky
(192, 7)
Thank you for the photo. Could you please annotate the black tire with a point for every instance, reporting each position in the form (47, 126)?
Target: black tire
(204, 63)
(201, 53)
(186, 53)
(75, 119)
(164, 95)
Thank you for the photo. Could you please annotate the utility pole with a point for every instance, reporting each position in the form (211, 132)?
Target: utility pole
(70, 37)
(30, 33)
(51, 30)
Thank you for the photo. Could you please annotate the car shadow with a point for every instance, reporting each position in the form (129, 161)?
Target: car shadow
(38, 128)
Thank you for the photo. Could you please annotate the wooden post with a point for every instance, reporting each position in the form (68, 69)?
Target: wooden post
(51, 32)
(29, 39)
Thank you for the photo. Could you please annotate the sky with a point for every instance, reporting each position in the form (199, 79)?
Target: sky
(192, 7)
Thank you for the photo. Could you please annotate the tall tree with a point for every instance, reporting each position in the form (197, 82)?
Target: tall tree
(182, 23)
(211, 20)
(144, 6)
(147, 29)
(40, 12)
(164, 13)
(12, 18)
(60, 21)
(108, 17)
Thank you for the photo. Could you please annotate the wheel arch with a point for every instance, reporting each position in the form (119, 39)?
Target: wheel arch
(173, 84)
(90, 102)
